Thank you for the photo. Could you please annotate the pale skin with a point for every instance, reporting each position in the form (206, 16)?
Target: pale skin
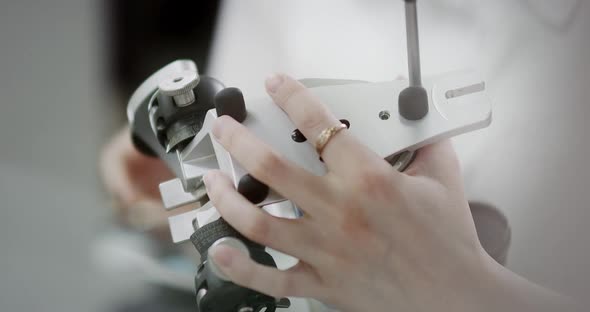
(132, 179)
(371, 238)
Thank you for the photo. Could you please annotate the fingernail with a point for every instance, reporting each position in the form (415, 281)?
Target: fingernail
(217, 125)
(274, 82)
(221, 255)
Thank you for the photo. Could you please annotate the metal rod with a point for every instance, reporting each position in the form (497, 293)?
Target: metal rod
(412, 43)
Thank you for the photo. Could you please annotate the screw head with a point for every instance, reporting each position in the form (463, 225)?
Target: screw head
(180, 86)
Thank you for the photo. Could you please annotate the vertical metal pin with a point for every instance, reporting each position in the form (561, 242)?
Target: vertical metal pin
(413, 100)
(412, 43)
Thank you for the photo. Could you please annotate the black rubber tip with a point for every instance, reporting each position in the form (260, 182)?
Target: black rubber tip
(230, 101)
(413, 103)
(254, 190)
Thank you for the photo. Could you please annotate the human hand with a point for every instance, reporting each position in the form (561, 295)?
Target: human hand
(132, 179)
(371, 238)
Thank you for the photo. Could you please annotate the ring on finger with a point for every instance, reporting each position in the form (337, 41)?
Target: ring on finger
(325, 136)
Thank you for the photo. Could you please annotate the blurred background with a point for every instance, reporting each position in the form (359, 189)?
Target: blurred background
(68, 67)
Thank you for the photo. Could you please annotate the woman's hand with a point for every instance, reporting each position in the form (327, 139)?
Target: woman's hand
(132, 179)
(371, 239)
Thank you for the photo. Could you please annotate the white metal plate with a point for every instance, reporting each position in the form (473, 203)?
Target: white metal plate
(360, 104)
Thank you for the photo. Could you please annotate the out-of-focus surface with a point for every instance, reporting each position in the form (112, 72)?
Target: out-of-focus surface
(51, 127)
(532, 162)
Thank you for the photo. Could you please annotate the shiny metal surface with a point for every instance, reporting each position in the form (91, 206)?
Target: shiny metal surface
(150, 85)
(401, 161)
(413, 44)
(180, 86)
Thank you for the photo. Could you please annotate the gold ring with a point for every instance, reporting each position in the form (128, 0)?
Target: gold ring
(325, 136)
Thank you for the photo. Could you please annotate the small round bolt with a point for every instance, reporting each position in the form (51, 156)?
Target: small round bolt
(384, 115)
(180, 86)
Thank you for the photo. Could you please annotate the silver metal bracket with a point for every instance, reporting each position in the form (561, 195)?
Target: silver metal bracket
(458, 104)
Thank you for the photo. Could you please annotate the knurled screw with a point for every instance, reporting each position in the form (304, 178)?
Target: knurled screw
(180, 86)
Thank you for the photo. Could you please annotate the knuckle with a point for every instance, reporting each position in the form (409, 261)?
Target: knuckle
(244, 276)
(372, 177)
(285, 288)
(225, 132)
(230, 138)
(290, 92)
(312, 120)
(216, 196)
(354, 226)
(298, 100)
(257, 228)
(270, 164)
(373, 181)
(213, 191)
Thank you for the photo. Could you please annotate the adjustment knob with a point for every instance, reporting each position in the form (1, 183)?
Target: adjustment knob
(413, 103)
(180, 86)
(254, 190)
(230, 101)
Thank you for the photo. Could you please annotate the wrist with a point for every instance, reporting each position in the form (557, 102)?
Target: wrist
(500, 289)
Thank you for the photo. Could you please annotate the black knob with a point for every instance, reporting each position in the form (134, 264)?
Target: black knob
(230, 101)
(413, 103)
(254, 190)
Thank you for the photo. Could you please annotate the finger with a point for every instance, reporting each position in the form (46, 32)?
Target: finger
(438, 161)
(311, 117)
(146, 215)
(294, 282)
(266, 165)
(145, 175)
(113, 167)
(286, 235)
